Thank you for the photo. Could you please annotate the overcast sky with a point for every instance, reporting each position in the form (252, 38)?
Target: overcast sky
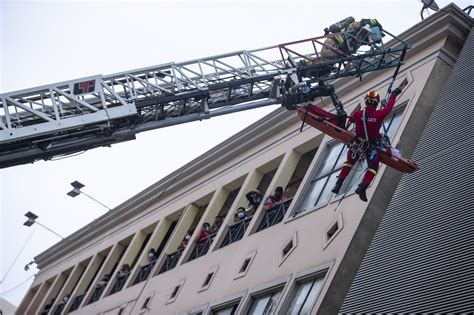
(46, 42)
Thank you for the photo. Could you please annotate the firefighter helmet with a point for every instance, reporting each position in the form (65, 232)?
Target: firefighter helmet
(372, 98)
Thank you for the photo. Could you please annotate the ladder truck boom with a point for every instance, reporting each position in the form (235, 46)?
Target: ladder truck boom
(77, 115)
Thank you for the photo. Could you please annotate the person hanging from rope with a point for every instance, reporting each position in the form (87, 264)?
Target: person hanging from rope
(367, 140)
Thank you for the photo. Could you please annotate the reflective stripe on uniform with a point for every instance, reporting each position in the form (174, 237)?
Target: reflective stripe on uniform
(347, 165)
(373, 22)
(372, 170)
(339, 38)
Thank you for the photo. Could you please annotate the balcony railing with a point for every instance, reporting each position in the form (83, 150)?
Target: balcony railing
(119, 283)
(274, 215)
(46, 310)
(144, 272)
(59, 308)
(171, 261)
(97, 292)
(236, 232)
(77, 302)
(202, 247)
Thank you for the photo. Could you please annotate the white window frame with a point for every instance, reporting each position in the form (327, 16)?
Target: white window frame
(300, 279)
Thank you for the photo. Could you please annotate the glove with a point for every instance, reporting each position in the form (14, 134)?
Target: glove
(397, 91)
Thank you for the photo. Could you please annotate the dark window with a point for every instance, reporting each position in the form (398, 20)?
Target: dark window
(147, 301)
(332, 231)
(245, 265)
(175, 291)
(287, 248)
(208, 279)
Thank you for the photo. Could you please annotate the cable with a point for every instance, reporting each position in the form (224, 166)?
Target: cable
(18, 285)
(18, 255)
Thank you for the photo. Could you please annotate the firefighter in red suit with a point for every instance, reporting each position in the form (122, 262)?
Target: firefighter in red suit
(366, 140)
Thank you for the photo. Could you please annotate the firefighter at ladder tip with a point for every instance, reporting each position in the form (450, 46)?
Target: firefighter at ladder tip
(358, 30)
(367, 141)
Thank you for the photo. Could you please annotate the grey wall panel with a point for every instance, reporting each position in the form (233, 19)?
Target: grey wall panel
(422, 256)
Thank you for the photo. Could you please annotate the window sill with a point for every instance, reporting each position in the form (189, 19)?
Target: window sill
(303, 213)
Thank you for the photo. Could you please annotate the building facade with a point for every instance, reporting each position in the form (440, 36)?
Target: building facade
(306, 255)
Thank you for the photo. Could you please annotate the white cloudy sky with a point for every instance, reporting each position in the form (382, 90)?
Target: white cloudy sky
(49, 41)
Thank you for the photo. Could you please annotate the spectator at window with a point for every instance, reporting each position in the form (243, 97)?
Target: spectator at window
(275, 199)
(217, 224)
(240, 215)
(152, 255)
(254, 197)
(104, 280)
(185, 240)
(47, 307)
(205, 232)
(124, 270)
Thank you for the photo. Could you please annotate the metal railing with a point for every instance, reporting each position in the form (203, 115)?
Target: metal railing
(77, 302)
(119, 283)
(274, 215)
(46, 310)
(236, 232)
(144, 272)
(171, 261)
(201, 247)
(97, 293)
(59, 308)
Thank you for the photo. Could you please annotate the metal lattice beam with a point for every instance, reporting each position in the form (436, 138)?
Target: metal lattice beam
(77, 115)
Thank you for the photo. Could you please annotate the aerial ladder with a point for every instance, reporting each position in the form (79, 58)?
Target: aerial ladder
(64, 118)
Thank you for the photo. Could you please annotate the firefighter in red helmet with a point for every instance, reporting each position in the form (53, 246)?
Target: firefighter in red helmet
(367, 125)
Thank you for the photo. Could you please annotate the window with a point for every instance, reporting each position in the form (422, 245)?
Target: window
(229, 310)
(265, 304)
(146, 302)
(244, 268)
(305, 296)
(245, 265)
(288, 247)
(332, 230)
(319, 192)
(208, 279)
(174, 294)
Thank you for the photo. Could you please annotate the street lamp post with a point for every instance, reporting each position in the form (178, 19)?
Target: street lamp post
(77, 191)
(32, 220)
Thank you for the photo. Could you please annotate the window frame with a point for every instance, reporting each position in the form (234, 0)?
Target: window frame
(234, 299)
(263, 293)
(304, 277)
(263, 289)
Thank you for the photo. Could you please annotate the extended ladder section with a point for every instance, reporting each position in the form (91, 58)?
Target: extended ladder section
(78, 115)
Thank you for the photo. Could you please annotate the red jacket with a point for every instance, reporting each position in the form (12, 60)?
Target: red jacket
(374, 119)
